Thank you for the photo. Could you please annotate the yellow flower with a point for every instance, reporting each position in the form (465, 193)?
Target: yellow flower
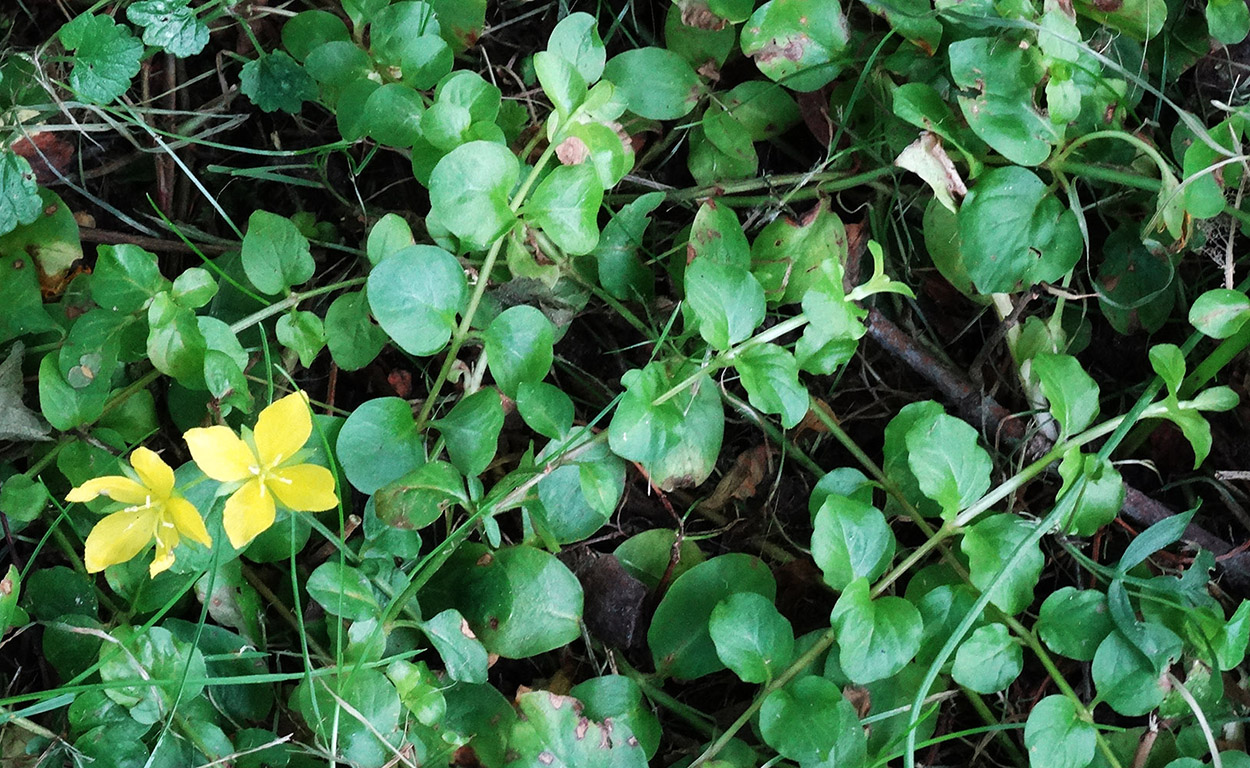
(155, 512)
(265, 468)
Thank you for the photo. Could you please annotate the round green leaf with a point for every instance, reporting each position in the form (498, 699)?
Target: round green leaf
(876, 638)
(1124, 678)
(421, 496)
(1057, 737)
(1015, 232)
(726, 301)
(545, 408)
(471, 430)
(851, 539)
(519, 348)
(462, 653)
(337, 63)
(308, 29)
(379, 443)
(352, 336)
(566, 207)
(392, 115)
(343, 591)
(1220, 312)
(811, 722)
(552, 731)
(546, 606)
(988, 660)
(949, 464)
(989, 545)
(576, 40)
(1074, 622)
(1002, 76)
(655, 83)
(469, 191)
(416, 294)
(680, 641)
(619, 698)
(751, 637)
(797, 42)
(787, 255)
(275, 253)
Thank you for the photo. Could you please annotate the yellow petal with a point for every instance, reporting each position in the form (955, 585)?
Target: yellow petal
(153, 472)
(282, 429)
(303, 487)
(166, 540)
(187, 519)
(119, 537)
(115, 487)
(220, 453)
(249, 511)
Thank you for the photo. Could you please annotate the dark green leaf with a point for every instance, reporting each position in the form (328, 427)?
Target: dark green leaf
(275, 82)
(751, 637)
(416, 294)
(850, 540)
(876, 638)
(989, 545)
(988, 660)
(469, 191)
(19, 195)
(1057, 737)
(106, 56)
(797, 43)
(566, 207)
(655, 83)
(471, 430)
(343, 591)
(275, 254)
(379, 443)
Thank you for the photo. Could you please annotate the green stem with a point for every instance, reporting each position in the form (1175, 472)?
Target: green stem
(829, 181)
(693, 717)
(289, 302)
(821, 645)
(483, 279)
(1104, 173)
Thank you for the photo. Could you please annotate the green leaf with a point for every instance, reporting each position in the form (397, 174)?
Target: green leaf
(726, 301)
(1163, 533)
(176, 346)
(646, 556)
(655, 83)
(811, 722)
(1124, 678)
(851, 540)
(552, 731)
(620, 698)
(1001, 77)
(420, 497)
(949, 464)
(10, 591)
(353, 338)
(770, 375)
(576, 40)
(343, 591)
(751, 637)
(469, 191)
(19, 194)
(276, 82)
(150, 654)
(471, 430)
(1135, 283)
(545, 604)
(394, 27)
(1234, 636)
(387, 237)
(336, 64)
(1057, 737)
(1073, 622)
(170, 24)
(462, 653)
(734, 11)
(126, 278)
(876, 638)
(1071, 392)
(621, 273)
(835, 324)
(1101, 497)
(787, 255)
(106, 56)
(561, 81)
(416, 294)
(1228, 21)
(392, 115)
(1140, 19)
(275, 253)
(716, 236)
(1015, 232)
(988, 660)
(989, 544)
(679, 638)
(302, 332)
(22, 500)
(566, 207)
(379, 443)
(797, 43)
(1220, 312)
(194, 288)
(325, 703)
(545, 408)
(519, 344)
(308, 29)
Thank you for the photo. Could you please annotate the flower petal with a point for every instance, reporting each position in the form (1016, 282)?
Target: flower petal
(282, 429)
(187, 519)
(115, 487)
(153, 472)
(220, 453)
(119, 537)
(249, 512)
(166, 540)
(303, 487)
